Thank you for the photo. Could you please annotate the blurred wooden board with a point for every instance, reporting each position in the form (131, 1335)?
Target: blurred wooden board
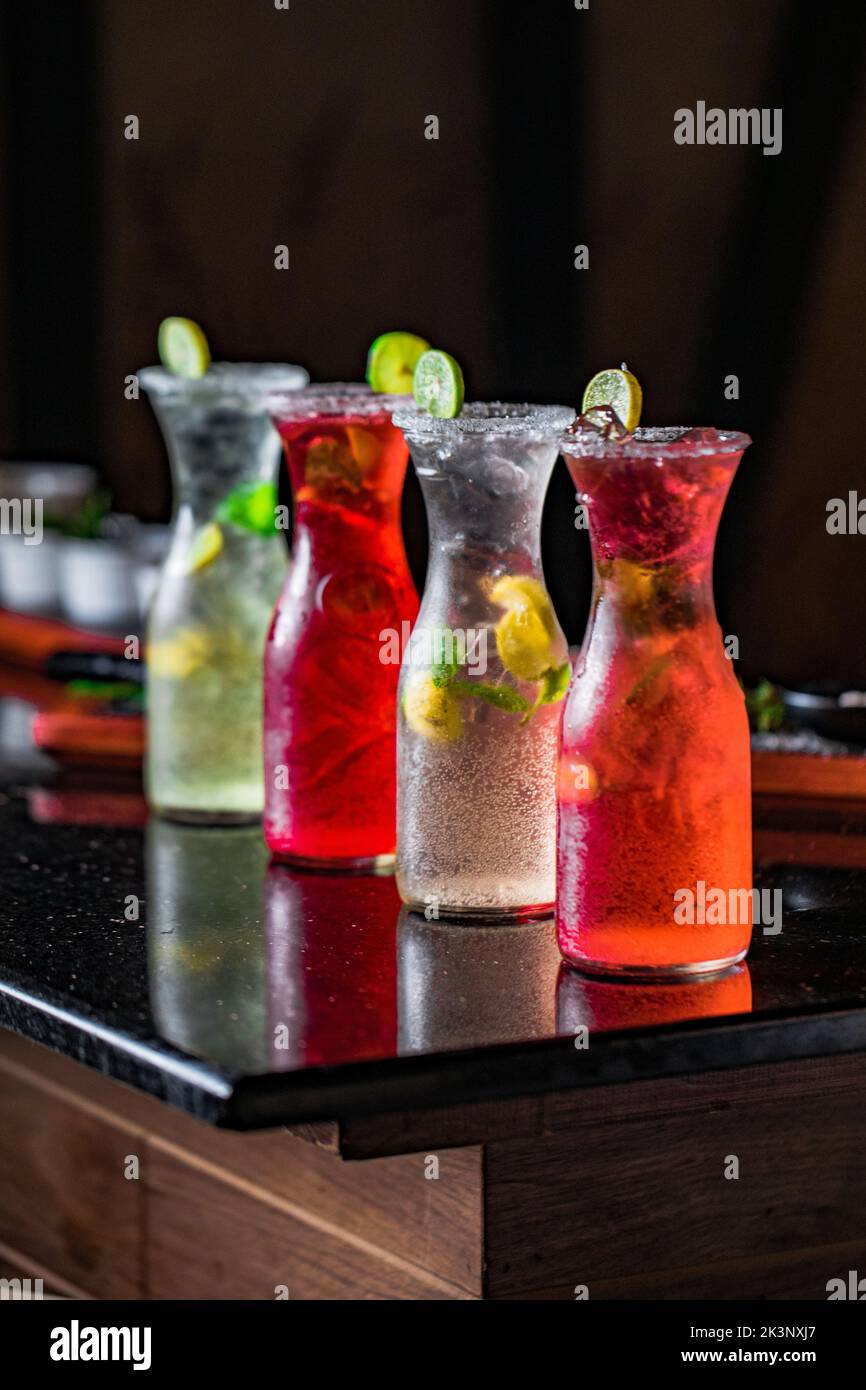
(808, 774)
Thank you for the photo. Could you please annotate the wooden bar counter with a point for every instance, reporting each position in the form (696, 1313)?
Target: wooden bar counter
(222, 1079)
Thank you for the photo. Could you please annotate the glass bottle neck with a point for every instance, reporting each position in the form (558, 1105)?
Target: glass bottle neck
(651, 595)
(214, 449)
(339, 538)
(468, 521)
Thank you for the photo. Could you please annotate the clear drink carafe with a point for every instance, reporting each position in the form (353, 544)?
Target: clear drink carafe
(213, 603)
(485, 671)
(655, 850)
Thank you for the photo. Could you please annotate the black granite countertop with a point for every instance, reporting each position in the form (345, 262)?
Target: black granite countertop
(181, 961)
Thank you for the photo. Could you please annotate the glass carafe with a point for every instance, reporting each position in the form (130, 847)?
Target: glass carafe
(331, 668)
(484, 673)
(213, 603)
(655, 855)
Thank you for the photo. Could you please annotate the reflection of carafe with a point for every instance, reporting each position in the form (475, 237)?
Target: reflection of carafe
(205, 940)
(330, 966)
(463, 986)
(605, 1005)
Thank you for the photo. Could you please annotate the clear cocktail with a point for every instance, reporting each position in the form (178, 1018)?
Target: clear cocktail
(485, 673)
(210, 614)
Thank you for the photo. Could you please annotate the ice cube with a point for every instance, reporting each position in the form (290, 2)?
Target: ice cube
(502, 477)
(603, 419)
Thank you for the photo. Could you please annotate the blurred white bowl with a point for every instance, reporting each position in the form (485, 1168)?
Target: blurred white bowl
(30, 574)
(97, 583)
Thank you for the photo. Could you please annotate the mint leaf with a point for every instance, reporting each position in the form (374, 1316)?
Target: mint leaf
(501, 696)
(649, 678)
(554, 683)
(445, 656)
(252, 507)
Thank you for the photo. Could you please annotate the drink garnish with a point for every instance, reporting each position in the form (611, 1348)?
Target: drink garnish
(438, 384)
(252, 507)
(391, 362)
(527, 633)
(448, 663)
(205, 548)
(552, 688)
(183, 347)
(554, 683)
(330, 462)
(619, 389)
(653, 684)
(179, 656)
(432, 711)
(500, 696)
(528, 642)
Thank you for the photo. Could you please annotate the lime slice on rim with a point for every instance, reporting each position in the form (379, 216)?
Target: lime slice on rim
(252, 506)
(391, 362)
(618, 388)
(438, 385)
(205, 548)
(183, 347)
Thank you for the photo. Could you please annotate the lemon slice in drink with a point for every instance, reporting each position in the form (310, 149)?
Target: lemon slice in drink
(432, 711)
(183, 347)
(205, 548)
(523, 643)
(178, 656)
(391, 362)
(618, 388)
(526, 637)
(512, 590)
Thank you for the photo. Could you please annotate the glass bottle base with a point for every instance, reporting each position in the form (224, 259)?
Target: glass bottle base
(371, 864)
(224, 818)
(479, 916)
(654, 973)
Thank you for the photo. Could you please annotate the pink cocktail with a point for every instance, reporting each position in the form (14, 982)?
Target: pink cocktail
(654, 872)
(330, 673)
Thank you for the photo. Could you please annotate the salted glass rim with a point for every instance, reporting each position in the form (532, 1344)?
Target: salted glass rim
(492, 418)
(248, 379)
(333, 399)
(655, 442)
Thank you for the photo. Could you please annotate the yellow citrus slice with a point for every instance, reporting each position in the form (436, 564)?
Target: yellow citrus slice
(178, 656)
(635, 582)
(517, 590)
(618, 388)
(329, 463)
(432, 711)
(205, 548)
(527, 637)
(524, 645)
(365, 446)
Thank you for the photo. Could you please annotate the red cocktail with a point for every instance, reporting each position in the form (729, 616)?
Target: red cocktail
(331, 664)
(654, 842)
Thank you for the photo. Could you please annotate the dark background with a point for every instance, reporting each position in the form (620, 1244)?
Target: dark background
(261, 126)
